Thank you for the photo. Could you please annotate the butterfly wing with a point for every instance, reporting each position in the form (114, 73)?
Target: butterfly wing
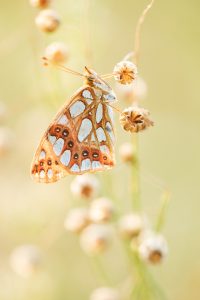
(79, 139)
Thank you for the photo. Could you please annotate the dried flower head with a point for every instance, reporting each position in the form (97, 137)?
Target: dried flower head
(101, 210)
(47, 20)
(131, 225)
(25, 260)
(127, 152)
(125, 72)
(85, 185)
(57, 52)
(105, 293)
(40, 3)
(6, 140)
(135, 119)
(95, 238)
(76, 220)
(153, 248)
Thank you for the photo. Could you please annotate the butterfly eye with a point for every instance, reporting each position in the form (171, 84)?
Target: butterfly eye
(65, 133)
(49, 162)
(85, 153)
(57, 129)
(95, 155)
(76, 156)
(70, 144)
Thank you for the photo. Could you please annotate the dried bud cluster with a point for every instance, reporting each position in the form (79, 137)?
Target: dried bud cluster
(47, 20)
(135, 119)
(105, 293)
(131, 225)
(85, 186)
(125, 72)
(40, 3)
(101, 210)
(153, 248)
(77, 220)
(95, 238)
(57, 52)
(25, 260)
(127, 152)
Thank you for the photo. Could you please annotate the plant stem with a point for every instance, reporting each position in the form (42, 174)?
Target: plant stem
(135, 178)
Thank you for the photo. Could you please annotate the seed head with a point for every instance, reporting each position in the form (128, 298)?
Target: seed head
(153, 248)
(25, 260)
(135, 119)
(76, 220)
(85, 186)
(101, 210)
(47, 20)
(105, 293)
(131, 225)
(57, 52)
(40, 3)
(127, 152)
(125, 72)
(95, 238)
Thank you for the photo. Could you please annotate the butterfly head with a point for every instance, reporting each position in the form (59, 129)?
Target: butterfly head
(95, 81)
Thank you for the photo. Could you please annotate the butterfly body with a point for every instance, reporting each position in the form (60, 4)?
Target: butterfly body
(80, 139)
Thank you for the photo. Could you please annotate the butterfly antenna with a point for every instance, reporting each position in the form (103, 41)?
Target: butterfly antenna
(115, 108)
(47, 62)
(106, 76)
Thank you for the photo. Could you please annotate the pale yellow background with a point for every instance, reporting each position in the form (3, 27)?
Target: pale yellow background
(31, 213)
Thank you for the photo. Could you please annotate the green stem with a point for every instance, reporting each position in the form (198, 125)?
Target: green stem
(135, 178)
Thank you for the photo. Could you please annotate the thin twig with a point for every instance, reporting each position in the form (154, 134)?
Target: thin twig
(138, 31)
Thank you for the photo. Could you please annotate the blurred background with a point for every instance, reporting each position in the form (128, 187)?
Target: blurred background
(30, 95)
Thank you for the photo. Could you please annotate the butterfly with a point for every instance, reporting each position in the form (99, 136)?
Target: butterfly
(81, 137)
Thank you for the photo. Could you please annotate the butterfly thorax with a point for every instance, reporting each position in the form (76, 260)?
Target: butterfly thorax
(99, 86)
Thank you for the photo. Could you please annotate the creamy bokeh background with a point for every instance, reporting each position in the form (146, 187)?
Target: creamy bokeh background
(169, 152)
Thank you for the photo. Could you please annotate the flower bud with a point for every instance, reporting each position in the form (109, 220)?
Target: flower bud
(57, 52)
(127, 152)
(76, 220)
(95, 238)
(153, 248)
(26, 260)
(131, 225)
(40, 3)
(85, 186)
(105, 293)
(47, 20)
(101, 210)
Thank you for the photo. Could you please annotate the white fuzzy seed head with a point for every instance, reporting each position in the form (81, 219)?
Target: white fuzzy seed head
(125, 72)
(153, 248)
(131, 225)
(85, 186)
(95, 238)
(101, 210)
(47, 20)
(57, 52)
(127, 152)
(40, 3)
(76, 220)
(105, 293)
(25, 260)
